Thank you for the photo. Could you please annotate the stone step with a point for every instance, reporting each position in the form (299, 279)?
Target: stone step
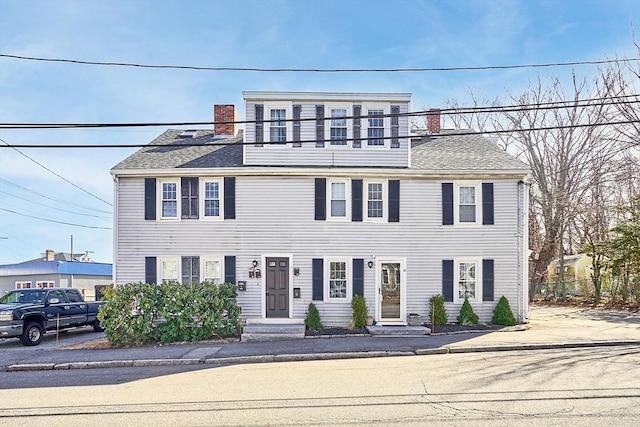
(272, 332)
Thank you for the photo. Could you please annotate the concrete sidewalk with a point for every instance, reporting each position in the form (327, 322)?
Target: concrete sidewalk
(549, 328)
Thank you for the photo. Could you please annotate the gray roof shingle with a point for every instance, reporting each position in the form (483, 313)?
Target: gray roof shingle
(451, 151)
(169, 151)
(445, 151)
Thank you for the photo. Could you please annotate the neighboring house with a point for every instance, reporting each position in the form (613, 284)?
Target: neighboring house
(57, 270)
(578, 270)
(325, 196)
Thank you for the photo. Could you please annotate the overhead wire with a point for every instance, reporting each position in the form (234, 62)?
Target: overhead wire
(56, 174)
(54, 221)
(316, 70)
(52, 207)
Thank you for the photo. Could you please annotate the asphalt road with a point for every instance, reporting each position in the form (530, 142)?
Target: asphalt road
(589, 386)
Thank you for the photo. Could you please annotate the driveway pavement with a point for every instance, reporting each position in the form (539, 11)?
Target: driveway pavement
(549, 327)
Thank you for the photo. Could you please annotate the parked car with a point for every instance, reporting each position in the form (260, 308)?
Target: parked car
(29, 313)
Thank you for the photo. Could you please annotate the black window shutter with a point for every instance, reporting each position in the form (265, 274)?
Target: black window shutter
(356, 200)
(320, 126)
(259, 124)
(149, 198)
(447, 203)
(357, 111)
(395, 126)
(189, 196)
(358, 276)
(296, 125)
(318, 279)
(150, 270)
(447, 279)
(394, 200)
(229, 197)
(487, 280)
(321, 199)
(487, 203)
(230, 269)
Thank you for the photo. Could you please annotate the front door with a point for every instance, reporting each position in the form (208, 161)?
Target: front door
(390, 290)
(277, 281)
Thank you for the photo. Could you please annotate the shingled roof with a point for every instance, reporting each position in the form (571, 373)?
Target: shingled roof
(170, 151)
(437, 152)
(449, 150)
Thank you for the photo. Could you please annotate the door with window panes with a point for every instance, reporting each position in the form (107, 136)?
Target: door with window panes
(391, 291)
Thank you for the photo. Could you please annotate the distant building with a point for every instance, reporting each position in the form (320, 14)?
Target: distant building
(57, 270)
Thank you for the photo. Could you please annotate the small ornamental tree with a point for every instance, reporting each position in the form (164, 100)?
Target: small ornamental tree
(502, 314)
(360, 311)
(437, 311)
(467, 316)
(312, 322)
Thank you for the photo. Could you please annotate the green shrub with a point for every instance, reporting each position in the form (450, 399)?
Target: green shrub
(502, 314)
(140, 313)
(467, 316)
(312, 321)
(437, 311)
(360, 311)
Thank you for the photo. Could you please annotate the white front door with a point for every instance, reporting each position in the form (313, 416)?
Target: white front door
(391, 291)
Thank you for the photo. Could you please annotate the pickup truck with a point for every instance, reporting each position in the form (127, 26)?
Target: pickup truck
(29, 313)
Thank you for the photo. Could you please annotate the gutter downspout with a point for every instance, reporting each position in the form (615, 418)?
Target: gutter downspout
(522, 251)
(116, 182)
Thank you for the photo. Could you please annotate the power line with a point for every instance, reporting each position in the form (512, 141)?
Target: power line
(56, 174)
(316, 70)
(57, 222)
(183, 143)
(55, 199)
(52, 207)
(587, 102)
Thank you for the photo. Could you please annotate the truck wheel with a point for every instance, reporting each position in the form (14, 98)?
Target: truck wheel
(32, 334)
(97, 327)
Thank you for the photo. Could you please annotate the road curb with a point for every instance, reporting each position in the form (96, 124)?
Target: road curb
(268, 358)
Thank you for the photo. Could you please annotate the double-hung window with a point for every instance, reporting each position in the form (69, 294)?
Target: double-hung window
(169, 199)
(375, 200)
(338, 126)
(338, 287)
(278, 126)
(338, 204)
(211, 198)
(375, 128)
(168, 270)
(467, 203)
(23, 285)
(467, 280)
(189, 198)
(212, 270)
(45, 284)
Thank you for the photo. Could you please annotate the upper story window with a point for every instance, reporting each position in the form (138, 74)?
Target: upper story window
(278, 126)
(375, 128)
(338, 126)
(211, 198)
(169, 199)
(338, 199)
(466, 201)
(375, 200)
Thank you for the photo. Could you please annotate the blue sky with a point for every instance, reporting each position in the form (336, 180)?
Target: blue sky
(287, 34)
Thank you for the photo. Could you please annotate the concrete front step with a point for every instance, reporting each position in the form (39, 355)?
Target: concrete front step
(272, 332)
(398, 330)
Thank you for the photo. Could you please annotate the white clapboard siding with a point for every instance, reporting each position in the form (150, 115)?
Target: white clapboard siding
(275, 215)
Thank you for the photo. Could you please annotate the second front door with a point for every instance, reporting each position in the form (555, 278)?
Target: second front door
(277, 283)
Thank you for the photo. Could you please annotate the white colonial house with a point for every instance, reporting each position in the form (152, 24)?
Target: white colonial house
(322, 197)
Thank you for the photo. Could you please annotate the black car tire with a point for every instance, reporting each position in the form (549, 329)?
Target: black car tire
(32, 334)
(97, 327)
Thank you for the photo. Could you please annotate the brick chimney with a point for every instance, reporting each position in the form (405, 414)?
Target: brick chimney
(224, 113)
(49, 255)
(433, 120)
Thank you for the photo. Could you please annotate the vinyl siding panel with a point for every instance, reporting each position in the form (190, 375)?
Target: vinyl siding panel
(275, 215)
